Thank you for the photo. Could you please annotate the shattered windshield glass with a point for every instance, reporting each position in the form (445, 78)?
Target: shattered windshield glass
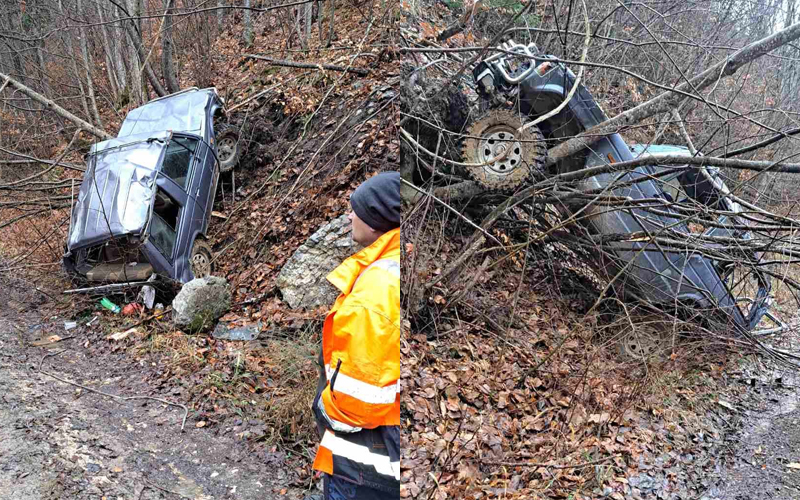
(116, 193)
(180, 113)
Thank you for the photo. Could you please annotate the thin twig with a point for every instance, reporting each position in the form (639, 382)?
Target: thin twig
(552, 466)
(113, 396)
(319, 66)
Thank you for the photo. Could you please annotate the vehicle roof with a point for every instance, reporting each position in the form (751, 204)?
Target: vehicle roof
(184, 111)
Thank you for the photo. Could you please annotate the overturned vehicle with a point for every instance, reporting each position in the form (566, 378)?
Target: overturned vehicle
(652, 201)
(146, 198)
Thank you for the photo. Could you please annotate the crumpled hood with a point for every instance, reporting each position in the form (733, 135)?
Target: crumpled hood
(116, 194)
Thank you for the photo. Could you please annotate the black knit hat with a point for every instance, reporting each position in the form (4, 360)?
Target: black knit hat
(377, 201)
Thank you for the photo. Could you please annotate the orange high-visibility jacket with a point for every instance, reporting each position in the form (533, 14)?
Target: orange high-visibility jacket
(360, 405)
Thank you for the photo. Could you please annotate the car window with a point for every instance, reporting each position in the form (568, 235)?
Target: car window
(672, 187)
(164, 226)
(178, 160)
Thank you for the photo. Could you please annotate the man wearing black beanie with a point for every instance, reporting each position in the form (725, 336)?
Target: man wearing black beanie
(358, 401)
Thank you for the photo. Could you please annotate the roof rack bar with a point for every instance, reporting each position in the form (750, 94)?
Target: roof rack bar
(190, 89)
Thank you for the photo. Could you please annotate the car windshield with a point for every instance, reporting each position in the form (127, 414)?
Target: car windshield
(180, 113)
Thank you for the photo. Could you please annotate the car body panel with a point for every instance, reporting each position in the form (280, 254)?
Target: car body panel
(116, 194)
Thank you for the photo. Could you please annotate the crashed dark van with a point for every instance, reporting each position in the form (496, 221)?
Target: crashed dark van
(502, 154)
(146, 198)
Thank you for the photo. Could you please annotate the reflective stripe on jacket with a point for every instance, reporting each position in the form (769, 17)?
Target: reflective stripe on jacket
(360, 403)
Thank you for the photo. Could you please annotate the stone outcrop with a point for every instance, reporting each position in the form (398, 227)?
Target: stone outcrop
(302, 280)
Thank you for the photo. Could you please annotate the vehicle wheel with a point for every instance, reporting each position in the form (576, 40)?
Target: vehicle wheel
(639, 345)
(503, 158)
(201, 259)
(228, 147)
(646, 340)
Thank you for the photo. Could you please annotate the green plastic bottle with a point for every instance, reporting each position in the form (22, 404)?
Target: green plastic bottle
(110, 306)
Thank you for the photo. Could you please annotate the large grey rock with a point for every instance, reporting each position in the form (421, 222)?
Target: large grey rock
(201, 302)
(302, 279)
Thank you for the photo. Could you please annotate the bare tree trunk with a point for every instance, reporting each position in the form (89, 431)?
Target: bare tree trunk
(13, 45)
(135, 37)
(42, 66)
(111, 63)
(49, 104)
(220, 12)
(297, 28)
(87, 65)
(309, 8)
(167, 61)
(71, 49)
(248, 24)
(330, 29)
(134, 71)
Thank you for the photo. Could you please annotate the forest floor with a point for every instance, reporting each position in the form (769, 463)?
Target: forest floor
(58, 440)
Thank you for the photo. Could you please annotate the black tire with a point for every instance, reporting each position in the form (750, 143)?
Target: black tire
(228, 146)
(201, 260)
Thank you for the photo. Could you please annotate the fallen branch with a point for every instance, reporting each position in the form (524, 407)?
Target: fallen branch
(669, 99)
(112, 396)
(319, 66)
(152, 485)
(459, 25)
(259, 94)
(552, 466)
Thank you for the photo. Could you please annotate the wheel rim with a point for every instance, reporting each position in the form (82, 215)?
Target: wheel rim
(640, 345)
(201, 265)
(225, 148)
(495, 142)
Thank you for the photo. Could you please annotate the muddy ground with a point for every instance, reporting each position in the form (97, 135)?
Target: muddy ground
(59, 441)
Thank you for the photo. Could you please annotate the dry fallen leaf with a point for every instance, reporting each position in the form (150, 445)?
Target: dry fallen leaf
(201, 423)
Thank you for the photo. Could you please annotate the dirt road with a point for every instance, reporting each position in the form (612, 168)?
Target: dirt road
(58, 441)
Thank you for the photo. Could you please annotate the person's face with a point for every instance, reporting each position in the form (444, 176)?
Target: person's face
(361, 232)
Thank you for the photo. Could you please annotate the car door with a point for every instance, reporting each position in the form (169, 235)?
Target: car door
(173, 211)
(207, 175)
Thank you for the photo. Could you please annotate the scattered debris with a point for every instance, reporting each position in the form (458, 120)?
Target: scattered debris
(69, 325)
(110, 306)
(146, 296)
(132, 309)
(229, 331)
(122, 335)
(52, 339)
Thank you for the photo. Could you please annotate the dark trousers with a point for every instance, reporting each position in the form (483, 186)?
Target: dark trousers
(338, 489)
